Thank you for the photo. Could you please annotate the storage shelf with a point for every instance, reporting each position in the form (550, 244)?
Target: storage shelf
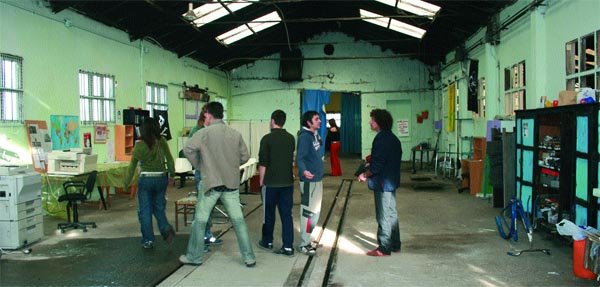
(549, 167)
(549, 148)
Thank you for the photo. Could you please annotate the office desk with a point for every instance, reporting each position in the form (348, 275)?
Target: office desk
(109, 175)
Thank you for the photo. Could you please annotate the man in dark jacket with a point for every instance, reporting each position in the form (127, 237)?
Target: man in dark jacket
(275, 166)
(383, 176)
(310, 169)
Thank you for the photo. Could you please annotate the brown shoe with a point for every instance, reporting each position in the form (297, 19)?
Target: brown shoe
(376, 252)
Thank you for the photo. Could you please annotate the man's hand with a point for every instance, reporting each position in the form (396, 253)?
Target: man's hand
(362, 177)
(307, 174)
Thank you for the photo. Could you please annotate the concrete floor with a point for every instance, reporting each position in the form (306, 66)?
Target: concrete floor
(449, 239)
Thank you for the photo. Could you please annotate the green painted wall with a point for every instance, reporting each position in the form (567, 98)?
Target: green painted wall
(53, 53)
(539, 38)
(379, 75)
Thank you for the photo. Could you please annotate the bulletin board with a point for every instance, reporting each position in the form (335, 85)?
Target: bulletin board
(40, 143)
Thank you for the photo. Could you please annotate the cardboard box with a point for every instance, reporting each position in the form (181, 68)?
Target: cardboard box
(567, 98)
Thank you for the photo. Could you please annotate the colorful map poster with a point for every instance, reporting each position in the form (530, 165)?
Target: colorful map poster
(64, 132)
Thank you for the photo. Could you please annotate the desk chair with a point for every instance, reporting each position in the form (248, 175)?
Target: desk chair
(77, 192)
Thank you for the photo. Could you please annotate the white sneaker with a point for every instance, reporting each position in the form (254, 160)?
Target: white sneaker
(185, 261)
(308, 250)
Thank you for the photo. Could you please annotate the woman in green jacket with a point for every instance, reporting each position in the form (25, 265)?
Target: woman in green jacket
(152, 152)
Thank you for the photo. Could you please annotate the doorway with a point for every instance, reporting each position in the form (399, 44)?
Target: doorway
(344, 109)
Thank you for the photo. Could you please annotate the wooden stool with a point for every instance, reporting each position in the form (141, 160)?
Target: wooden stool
(185, 206)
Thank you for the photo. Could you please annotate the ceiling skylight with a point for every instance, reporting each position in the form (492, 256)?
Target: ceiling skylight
(212, 11)
(250, 28)
(416, 7)
(392, 24)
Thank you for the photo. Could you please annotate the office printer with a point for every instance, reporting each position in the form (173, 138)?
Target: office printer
(21, 218)
(74, 161)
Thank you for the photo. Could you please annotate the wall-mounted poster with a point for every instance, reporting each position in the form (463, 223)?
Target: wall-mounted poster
(100, 133)
(403, 128)
(64, 132)
(40, 143)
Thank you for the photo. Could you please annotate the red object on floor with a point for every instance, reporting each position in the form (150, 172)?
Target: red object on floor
(336, 168)
(376, 252)
(578, 257)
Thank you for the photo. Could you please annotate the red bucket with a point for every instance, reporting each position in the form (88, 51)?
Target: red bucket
(578, 257)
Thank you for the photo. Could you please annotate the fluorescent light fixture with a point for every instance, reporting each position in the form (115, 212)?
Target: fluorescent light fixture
(416, 7)
(392, 24)
(212, 11)
(252, 27)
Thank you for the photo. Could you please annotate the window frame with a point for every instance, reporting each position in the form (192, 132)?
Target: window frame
(515, 80)
(579, 73)
(152, 98)
(101, 99)
(14, 89)
(481, 98)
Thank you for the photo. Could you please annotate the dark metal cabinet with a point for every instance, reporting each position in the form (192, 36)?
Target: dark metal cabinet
(557, 161)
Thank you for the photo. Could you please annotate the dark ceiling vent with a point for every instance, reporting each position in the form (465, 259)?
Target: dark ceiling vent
(290, 66)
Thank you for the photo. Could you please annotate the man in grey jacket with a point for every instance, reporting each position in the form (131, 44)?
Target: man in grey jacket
(218, 151)
(310, 169)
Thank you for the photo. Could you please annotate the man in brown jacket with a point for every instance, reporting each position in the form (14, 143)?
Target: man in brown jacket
(218, 151)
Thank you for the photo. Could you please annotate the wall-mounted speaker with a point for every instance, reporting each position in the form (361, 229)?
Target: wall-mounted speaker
(290, 66)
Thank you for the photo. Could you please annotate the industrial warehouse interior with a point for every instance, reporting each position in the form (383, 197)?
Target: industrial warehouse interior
(494, 104)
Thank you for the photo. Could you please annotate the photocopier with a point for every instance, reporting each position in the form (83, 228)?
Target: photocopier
(21, 217)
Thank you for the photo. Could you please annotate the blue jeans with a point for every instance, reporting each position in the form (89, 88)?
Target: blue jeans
(281, 198)
(205, 204)
(388, 229)
(151, 201)
(198, 179)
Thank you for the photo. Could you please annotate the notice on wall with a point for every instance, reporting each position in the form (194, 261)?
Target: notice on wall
(403, 128)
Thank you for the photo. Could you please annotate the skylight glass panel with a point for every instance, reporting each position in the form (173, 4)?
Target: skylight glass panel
(393, 24)
(252, 27)
(239, 30)
(212, 11)
(265, 22)
(416, 7)
(407, 29)
(374, 18)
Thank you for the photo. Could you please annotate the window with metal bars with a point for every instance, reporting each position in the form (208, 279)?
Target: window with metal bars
(583, 62)
(156, 97)
(11, 88)
(96, 97)
(514, 88)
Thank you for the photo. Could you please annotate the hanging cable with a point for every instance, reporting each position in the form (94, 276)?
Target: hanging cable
(287, 33)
